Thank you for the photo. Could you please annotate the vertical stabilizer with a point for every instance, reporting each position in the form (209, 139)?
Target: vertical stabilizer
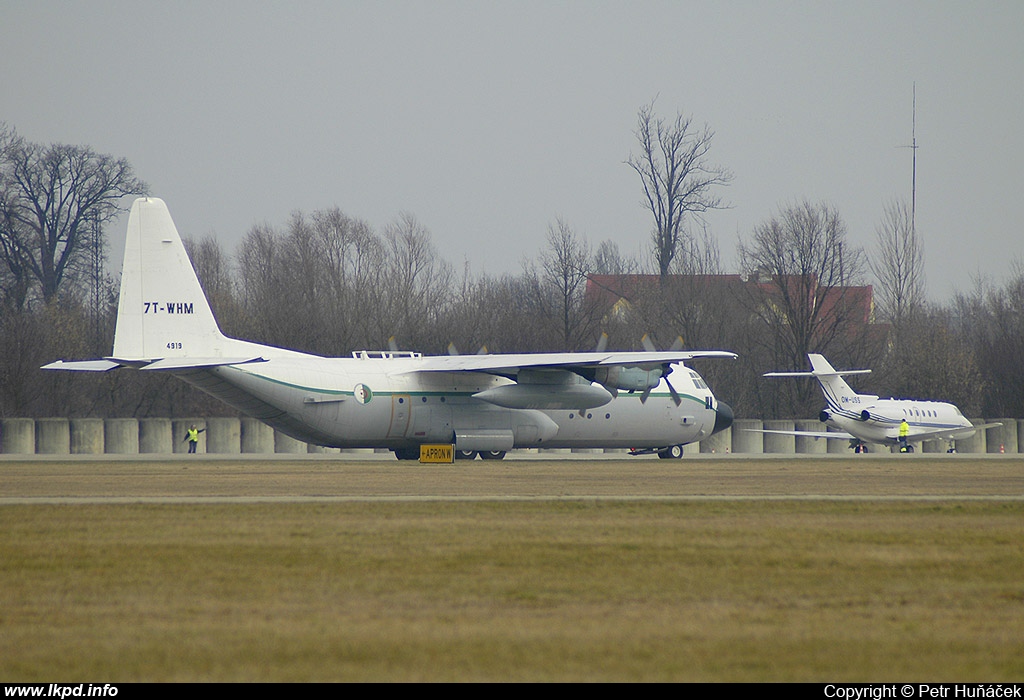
(837, 392)
(162, 311)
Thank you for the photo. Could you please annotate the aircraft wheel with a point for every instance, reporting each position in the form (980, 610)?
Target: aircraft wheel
(673, 452)
(492, 454)
(465, 454)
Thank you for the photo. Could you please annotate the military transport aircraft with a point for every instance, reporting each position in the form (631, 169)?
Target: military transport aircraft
(864, 418)
(482, 404)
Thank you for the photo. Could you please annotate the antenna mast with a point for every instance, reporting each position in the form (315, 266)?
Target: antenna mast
(913, 181)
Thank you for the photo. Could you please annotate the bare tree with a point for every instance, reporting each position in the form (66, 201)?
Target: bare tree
(416, 290)
(213, 267)
(609, 261)
(804, 294)
(259, 284)
(898, 265)
(992, 322)
(935, 360)
(559, 288)
(51, 198)
(677, 177)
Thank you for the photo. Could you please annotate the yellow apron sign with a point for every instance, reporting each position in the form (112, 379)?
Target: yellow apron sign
(437, 454)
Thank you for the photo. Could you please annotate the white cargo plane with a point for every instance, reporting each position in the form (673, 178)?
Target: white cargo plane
(864, 418)
(482, 404)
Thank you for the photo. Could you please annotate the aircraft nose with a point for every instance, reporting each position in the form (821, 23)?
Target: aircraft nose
(723, 418)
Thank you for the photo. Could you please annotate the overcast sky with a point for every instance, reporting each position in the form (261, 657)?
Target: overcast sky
(489, 121)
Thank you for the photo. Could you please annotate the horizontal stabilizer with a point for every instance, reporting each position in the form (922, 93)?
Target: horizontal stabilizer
(178, 363)
(83, 365)
(814, 373)
(173, 363)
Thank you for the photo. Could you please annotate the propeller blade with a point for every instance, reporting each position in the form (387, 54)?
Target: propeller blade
(648, 343)
(678, 345)
(602, 343)
(452, 350)
(672, 390)
(392, 344)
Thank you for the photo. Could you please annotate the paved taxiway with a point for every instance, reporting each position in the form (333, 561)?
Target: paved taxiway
(289, 478)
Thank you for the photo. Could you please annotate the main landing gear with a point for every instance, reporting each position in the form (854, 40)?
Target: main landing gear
(670, 452)
(484, 454)
(411, 453)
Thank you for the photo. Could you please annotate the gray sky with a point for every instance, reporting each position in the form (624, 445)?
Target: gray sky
(489, 121)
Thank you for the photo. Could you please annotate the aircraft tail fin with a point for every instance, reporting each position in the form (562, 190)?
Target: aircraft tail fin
(838, 393)
(162, 311)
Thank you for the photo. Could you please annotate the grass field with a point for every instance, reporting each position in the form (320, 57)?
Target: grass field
(485, 590)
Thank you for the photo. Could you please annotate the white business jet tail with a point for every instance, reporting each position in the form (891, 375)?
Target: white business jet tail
(838, 394)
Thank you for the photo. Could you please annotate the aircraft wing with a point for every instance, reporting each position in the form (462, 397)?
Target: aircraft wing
(948, 433)
(806, 433)
(511, 364)
(913, 437)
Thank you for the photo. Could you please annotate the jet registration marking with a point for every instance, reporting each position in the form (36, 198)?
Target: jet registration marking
(171, 307)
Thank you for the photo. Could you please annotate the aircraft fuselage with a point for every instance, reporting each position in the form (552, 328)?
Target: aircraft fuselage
(386, 402)
(879, 420)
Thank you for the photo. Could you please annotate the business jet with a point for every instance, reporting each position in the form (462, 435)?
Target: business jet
(864, 418)
(479, 404)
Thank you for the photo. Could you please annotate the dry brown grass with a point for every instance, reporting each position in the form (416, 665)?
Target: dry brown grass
(513, 591)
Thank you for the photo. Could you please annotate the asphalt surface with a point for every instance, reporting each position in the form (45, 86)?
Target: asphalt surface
(293, 478)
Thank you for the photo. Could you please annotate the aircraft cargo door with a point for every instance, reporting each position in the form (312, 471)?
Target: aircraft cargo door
(401, 410)
(431, 422)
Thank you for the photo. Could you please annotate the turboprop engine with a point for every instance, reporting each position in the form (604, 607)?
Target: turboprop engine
(544, 396)
(628, 378)
(547, 389)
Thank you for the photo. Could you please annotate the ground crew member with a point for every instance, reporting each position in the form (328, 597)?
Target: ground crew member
(192, 435)
(904, 432)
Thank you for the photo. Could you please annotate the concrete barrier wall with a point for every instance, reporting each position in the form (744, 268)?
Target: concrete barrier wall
(18, 436)
(287, 445)
(810, 445)
(779, 444)
(745, 438)
(121, 436)
(155, 436)
(1004, 438)
(255, 436)
(974, 444)
(53, 436)
(87, 436)
(223, 436)
(720, 443)
(250, 436)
